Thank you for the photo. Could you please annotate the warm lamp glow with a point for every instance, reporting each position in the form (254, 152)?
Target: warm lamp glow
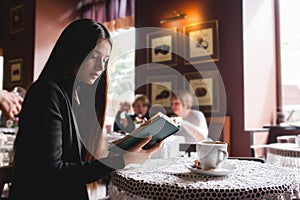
(176, 16)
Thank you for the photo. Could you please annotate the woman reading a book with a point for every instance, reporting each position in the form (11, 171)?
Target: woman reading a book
(59, 143)
(193, 125)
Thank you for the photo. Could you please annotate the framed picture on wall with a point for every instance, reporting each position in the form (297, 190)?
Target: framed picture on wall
(16, 19)
(204, 86)
(161, 46)
(202, 42)
(16, 68)
(160, 89)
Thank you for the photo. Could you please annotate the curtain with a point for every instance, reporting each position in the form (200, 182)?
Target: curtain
(114, 14)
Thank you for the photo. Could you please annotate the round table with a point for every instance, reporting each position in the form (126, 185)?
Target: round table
(284, 154)
(170, 179)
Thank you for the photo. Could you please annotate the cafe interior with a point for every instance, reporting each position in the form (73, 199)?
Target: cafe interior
(240, 79)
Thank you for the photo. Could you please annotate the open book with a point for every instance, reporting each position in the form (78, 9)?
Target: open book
(159, 126)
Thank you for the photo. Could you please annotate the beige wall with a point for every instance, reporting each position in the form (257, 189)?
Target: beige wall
(51, 18)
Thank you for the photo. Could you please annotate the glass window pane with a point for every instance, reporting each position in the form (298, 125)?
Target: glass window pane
(121, 73)
(290, 56)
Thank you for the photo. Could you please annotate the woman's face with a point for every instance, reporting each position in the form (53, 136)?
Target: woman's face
(94, 63)
(176, 106)
(139, 108)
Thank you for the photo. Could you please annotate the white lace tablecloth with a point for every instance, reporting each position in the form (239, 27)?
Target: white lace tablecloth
(285, 155)
(170, 179)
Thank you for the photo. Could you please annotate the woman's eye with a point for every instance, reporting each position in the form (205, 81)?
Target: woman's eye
(105, 60)
(94, 55)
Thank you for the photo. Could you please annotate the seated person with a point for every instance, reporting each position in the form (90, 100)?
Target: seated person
(193, 126)
(121, 116)
(129, 122)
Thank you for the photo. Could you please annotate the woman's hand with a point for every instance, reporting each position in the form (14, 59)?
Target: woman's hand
(137, 155)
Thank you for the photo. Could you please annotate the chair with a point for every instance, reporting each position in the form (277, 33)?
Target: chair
(280, 131)
(274, 132)
(187, 148)
(5, 178)
(216, 125)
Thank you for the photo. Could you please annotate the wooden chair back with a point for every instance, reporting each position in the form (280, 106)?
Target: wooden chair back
(281, 131)
(219, 125)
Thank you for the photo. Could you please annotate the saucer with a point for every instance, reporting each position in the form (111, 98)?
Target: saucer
(223, 170)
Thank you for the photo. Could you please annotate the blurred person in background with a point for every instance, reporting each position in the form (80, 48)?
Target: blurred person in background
(193, 125)
(120, 119)
(140, 115)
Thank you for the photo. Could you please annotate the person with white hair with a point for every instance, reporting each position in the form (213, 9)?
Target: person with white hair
(193, 125)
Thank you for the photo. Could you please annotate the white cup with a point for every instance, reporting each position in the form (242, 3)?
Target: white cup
(211, 154)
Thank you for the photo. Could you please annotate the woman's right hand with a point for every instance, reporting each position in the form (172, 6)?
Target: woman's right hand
(137, 155)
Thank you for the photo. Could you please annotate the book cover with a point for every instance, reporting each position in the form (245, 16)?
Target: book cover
(159, 126)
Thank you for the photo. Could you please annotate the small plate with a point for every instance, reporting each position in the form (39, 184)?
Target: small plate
(223, 170)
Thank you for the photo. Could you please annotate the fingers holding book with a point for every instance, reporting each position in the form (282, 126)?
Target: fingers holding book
(137, 155)
(139, 146)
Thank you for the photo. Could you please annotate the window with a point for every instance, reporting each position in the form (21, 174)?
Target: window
(121, 72)
(290, 58)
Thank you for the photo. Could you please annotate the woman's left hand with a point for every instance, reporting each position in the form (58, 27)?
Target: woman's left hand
(138, 155)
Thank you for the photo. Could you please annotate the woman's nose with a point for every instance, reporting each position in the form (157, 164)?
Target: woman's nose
(99, 65)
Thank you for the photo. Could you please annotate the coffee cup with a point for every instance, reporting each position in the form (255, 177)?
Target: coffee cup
(211, 154)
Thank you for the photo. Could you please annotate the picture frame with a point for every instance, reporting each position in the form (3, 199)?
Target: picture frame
(160, 47)
(16, 70)
(204, 87)
(201, 43)
(16, 19)
(160, 89)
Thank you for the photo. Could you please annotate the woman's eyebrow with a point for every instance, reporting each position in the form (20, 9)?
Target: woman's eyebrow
(97, 51)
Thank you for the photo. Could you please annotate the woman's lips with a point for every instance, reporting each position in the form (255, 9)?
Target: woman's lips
(94, 75)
